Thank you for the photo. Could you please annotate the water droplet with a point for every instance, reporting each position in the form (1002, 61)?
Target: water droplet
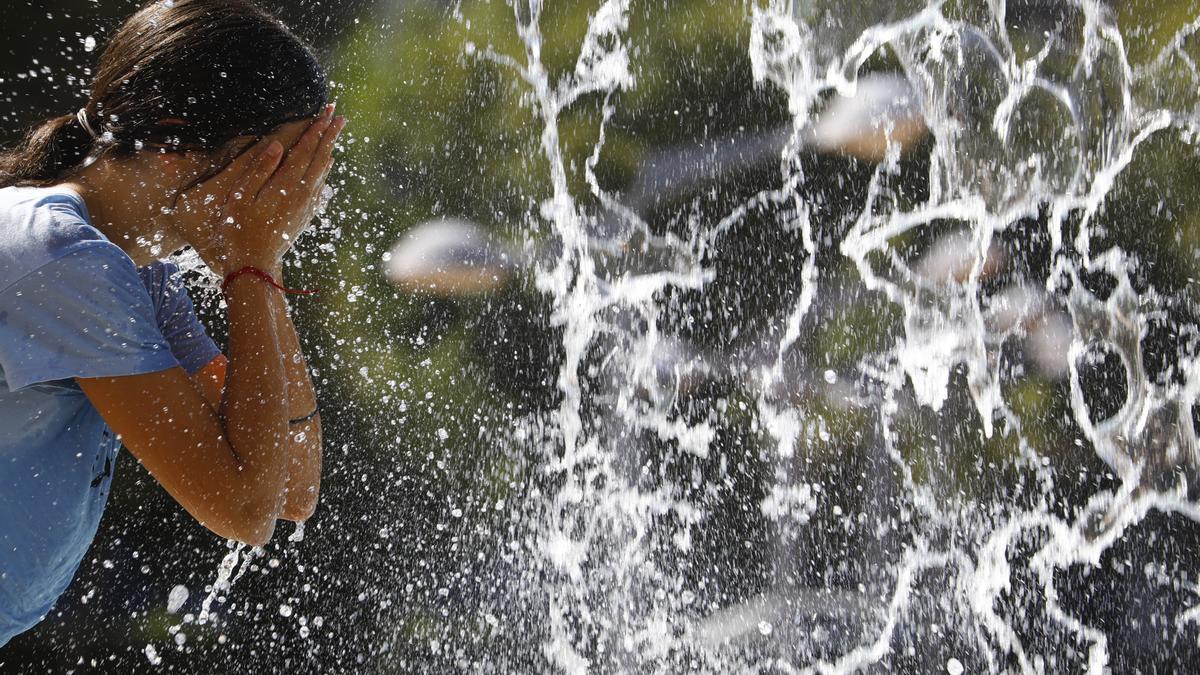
(152, 655)
(89, 44)
(176, 598)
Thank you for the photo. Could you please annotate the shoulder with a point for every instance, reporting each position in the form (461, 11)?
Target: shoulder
(162, 280)
(159, 272)
(41, 225)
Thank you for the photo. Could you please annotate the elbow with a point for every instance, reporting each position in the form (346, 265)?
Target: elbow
(303, 487)
(258, 534)
(300, 504)
(253, 523)
(258, 521)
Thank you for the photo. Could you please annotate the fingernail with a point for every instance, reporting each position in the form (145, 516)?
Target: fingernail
(273, 149)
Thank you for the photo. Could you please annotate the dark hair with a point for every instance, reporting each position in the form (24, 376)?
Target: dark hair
(180, 75)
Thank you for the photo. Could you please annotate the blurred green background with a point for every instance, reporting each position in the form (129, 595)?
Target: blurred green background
(426, 486)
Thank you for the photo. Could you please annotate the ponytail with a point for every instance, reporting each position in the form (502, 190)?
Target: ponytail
(48, 152)
(186, 75)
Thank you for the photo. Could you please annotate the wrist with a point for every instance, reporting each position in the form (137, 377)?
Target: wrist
(234, 281)
(269, 278)
(233, 264)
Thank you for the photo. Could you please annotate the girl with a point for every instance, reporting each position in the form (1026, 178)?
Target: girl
(207, 125)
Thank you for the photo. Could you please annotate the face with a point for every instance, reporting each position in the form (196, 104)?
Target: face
(153, 179)
(181, 171)
(196, 167)
(200, 166)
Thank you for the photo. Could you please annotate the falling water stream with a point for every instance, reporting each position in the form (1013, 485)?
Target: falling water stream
(1034, 113)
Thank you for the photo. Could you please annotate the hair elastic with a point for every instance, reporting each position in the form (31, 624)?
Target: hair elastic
(82, 117)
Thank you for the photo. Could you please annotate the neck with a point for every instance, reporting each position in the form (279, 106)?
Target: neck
(124, 206)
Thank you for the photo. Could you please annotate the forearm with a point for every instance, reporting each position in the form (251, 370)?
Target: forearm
(254, 404)
(304, 437)
(302, 399)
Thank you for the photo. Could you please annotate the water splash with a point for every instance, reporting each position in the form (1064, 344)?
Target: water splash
(226, 577)
(1031, 122)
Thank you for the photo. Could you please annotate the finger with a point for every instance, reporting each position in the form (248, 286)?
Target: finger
(246, 160)
(301, 155)
(289, 134)
(317, 186)
(318, 172)
(232, 173)
(323, 158)
(286, 134)
(260, 172)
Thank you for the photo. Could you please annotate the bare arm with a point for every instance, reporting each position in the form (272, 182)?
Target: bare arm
(224, 466)
(228, 464)
(304, 438)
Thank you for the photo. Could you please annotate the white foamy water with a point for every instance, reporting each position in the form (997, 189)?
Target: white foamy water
(1030, 124)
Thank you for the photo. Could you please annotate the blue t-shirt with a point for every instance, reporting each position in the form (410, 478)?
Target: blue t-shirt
(72, 304)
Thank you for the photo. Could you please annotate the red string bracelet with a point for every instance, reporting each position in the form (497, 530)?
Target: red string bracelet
(265, 277)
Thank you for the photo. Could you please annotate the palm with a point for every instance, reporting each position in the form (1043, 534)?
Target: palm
(255, 207)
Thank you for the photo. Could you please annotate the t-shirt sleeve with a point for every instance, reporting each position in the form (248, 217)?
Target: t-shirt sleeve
(85, 314)
(176, 316)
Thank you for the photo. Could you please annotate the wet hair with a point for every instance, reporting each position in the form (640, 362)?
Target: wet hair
(181, 75)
